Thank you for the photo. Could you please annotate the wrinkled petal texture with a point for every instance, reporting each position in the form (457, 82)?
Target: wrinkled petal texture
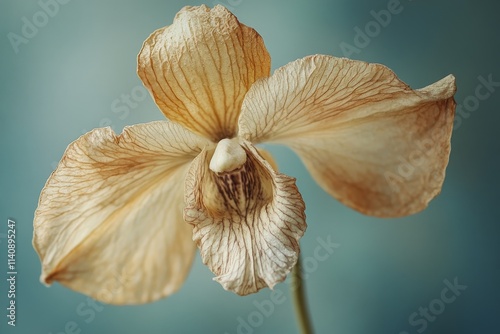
(366, 137)
(199, 69)
(247, 222)
(109, 221)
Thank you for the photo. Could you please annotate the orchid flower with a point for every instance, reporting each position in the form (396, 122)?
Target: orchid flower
(122, 215)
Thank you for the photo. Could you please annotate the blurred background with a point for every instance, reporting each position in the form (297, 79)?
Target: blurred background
(69, 74)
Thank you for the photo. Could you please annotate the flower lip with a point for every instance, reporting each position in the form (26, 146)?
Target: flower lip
(246, 222)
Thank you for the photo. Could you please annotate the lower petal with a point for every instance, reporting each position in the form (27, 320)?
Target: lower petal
(109, 220)
(247, 223)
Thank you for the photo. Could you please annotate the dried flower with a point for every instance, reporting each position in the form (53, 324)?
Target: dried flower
(111, 221)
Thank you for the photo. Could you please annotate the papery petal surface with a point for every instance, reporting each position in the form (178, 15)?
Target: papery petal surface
(199, 69)
(109, 220)
(367, 138)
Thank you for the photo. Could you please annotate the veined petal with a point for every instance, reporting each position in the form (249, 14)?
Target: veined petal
(247, 222)
(109, 220)
(199, 69)
(366, 137)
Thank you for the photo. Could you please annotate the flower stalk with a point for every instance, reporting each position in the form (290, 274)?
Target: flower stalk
(298, 292)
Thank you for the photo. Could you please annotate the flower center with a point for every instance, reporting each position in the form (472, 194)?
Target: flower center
(237, 183)
(228, 156)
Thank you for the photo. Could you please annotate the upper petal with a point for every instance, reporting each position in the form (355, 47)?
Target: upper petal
(199, 69)
(366, 137)
(109, 220)
(247, 222)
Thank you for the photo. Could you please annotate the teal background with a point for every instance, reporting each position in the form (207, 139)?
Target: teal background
(63, 83)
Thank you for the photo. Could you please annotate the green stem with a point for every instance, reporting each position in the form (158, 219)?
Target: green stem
(299, 300)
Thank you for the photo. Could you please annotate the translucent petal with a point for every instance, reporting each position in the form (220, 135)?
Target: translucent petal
(109, 221)
(366, 137)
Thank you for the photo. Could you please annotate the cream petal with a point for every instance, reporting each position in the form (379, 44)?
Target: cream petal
(199, 69)
(109, 220)
(247, 223)
(366, 137)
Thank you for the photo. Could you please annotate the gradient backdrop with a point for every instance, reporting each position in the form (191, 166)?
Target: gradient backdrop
(64, 80)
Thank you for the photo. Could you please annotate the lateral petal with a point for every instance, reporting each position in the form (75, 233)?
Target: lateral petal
(199, 69)
(247, 223)
(366, 137)
(109, 220)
